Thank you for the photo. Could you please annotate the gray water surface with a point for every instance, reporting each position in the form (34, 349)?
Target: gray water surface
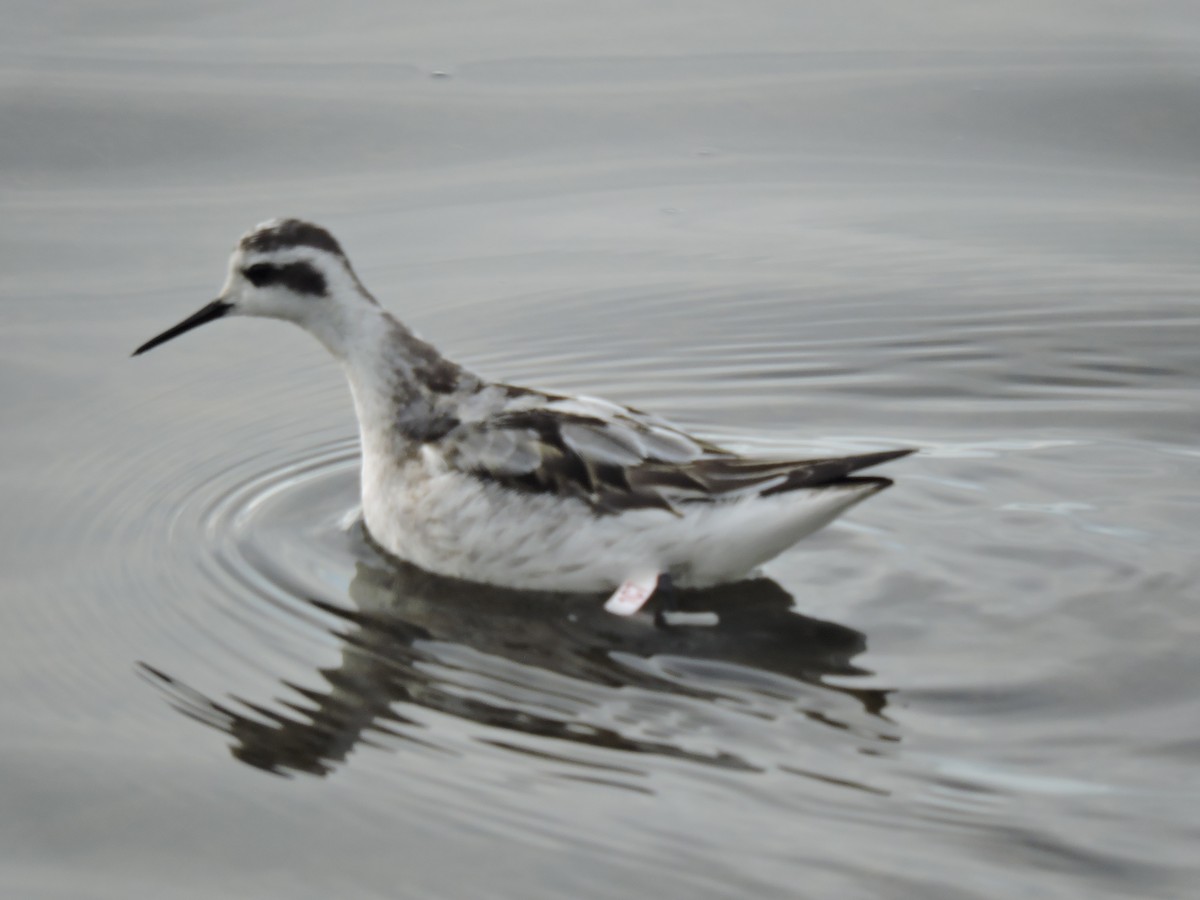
(967, 229)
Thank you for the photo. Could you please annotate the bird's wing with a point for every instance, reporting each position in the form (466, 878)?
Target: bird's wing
(614, 458)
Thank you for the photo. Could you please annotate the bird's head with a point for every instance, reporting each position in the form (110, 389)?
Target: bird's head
(284, 269)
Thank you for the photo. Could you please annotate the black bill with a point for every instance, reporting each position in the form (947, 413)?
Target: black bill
(214, 310)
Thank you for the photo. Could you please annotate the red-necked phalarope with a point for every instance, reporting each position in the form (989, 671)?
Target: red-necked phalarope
(517, 487)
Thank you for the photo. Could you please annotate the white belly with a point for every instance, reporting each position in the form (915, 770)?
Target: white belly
(456, 525)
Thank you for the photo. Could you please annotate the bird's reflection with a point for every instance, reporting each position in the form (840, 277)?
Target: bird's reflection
(527, 663)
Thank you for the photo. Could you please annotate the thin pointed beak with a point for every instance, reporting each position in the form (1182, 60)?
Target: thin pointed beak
(214, 310)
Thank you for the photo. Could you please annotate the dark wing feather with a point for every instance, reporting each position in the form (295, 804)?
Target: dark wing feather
(616, 459)
(793, 474)
(550, 451)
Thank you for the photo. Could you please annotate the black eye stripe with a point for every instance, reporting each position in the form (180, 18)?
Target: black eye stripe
(260, 274)
(301, 277)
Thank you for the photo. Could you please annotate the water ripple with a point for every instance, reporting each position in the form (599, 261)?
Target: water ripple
(293, 581)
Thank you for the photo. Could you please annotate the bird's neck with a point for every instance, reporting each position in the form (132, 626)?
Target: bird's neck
(404, 389)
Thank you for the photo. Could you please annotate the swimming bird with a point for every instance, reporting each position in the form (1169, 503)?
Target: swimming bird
(518, 487)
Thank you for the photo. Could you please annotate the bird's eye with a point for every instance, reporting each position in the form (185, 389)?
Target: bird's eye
(261, 274)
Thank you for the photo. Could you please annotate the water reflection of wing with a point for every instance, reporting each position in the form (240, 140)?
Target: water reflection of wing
(535, 664)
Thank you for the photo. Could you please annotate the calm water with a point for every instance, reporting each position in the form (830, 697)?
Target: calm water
(972, 230)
